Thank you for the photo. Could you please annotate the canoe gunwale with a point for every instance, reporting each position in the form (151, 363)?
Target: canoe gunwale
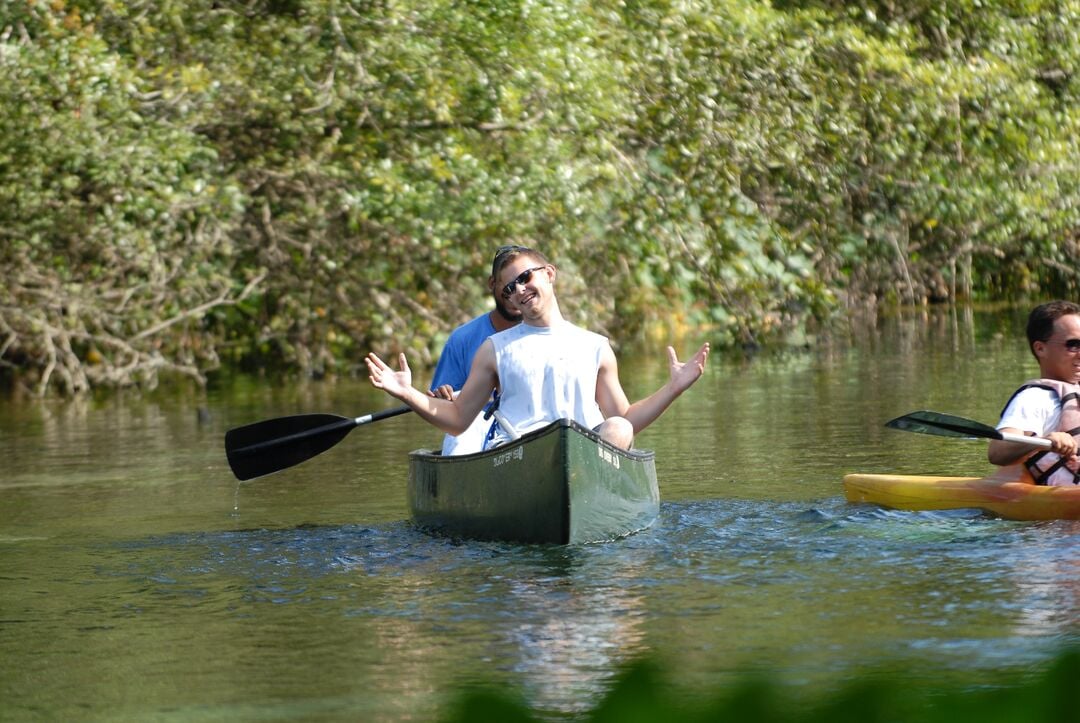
(436, 457)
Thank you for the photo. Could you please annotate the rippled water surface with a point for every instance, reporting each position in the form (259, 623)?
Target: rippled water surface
(139, 580)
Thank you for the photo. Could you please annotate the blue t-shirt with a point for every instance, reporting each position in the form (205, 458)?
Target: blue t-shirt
(453, 369)
(457, 356)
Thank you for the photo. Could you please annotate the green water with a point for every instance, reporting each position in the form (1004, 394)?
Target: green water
(140, 581)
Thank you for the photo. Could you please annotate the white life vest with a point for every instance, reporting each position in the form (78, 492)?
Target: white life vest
(1044, 466)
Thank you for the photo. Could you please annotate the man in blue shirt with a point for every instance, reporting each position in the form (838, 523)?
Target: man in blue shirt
(457, 356)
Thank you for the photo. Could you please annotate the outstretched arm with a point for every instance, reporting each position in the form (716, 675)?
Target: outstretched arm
(452, 416)
(613, 401)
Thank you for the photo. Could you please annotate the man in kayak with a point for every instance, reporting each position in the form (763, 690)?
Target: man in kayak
(456, 358)
(544, 369)
(1049, 406)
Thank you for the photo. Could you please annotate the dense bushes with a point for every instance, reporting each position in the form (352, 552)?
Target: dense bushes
(291, 182)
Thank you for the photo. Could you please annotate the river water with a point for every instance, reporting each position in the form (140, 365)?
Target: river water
(140, 581)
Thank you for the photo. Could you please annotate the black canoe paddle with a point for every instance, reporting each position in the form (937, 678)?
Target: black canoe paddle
(276, 444)
(948, 425)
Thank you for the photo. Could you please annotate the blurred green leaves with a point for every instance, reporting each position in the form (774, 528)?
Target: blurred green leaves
(641, 693)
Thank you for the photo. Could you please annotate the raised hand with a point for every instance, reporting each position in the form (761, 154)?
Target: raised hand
(383, 377)
(684, 374)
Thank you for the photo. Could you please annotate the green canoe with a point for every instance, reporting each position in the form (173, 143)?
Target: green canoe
(560, 484)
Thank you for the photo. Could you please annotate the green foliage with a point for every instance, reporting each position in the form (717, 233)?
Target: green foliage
(115, 223)
(293, 183)
(641, 694)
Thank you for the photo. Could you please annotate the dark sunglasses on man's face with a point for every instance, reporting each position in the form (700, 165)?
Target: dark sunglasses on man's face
(523, 278)
(1071, 345)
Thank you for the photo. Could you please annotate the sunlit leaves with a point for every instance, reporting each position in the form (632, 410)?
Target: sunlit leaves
(743, 165)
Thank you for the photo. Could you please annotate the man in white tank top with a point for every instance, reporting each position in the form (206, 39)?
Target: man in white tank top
(544, 369)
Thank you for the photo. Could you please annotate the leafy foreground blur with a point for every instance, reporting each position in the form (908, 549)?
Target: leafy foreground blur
(640, 695)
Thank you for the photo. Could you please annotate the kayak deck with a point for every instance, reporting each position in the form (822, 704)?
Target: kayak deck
(1013, 500)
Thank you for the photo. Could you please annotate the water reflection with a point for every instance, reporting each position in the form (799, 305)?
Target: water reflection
(545, 618)
(575, 633)
(1046, 574)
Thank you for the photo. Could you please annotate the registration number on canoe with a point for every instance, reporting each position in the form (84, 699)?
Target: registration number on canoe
(501, 459)
(608, 456)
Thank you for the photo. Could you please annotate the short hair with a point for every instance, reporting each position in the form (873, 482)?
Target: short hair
(1040, 326)
(506, 254)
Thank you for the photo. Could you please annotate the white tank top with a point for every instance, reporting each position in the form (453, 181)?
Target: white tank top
(547, 373)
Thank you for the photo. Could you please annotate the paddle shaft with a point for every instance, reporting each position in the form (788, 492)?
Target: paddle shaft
(1023, 439)
(344, 424)
(275, 444)
(949, 425)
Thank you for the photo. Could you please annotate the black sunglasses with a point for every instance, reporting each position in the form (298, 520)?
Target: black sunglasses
(1071, 345)
(523, 278)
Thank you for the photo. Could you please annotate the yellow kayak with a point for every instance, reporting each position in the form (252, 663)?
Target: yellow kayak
(1011, 499)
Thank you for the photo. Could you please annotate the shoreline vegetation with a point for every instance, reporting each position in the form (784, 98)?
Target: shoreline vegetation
(283, 185)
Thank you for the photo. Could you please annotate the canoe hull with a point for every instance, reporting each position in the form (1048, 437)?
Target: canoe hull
(560, 484)
(1009, 499)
